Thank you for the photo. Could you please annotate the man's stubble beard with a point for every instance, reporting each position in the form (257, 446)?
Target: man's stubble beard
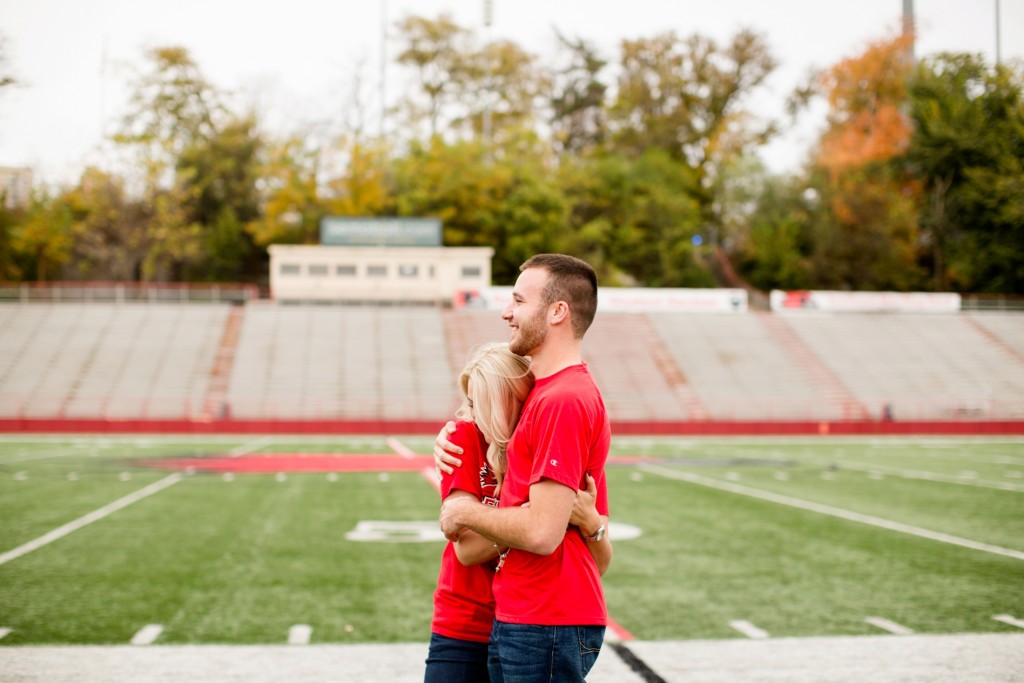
(532, 333)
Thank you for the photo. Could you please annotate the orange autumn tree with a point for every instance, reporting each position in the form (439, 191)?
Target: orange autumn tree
(872, 242)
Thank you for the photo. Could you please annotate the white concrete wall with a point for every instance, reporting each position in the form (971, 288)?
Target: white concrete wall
(334, 273)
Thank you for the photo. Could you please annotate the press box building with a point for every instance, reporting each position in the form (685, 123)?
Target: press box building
(375, 260)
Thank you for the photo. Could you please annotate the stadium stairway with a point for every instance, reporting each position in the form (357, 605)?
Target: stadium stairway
(811, 366)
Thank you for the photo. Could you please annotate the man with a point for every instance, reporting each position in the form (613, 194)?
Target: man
(550, 614)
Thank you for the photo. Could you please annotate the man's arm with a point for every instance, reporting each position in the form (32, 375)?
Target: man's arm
(443, 459)
(471, 548)
(538, 528)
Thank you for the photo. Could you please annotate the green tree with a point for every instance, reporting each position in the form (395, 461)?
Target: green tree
(776, 253)
(111, 239)
(691, 98)
(42, 242)
(218, 175)
(968, 148)
(504, 201)
(290, 203)
(635, 218)
(172, 111)
(579, 119)
(439, 52)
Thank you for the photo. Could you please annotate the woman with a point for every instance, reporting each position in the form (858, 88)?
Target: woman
(495, 382)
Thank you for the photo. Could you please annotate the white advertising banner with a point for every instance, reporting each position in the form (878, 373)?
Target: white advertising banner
(634, 300)
(863, 302)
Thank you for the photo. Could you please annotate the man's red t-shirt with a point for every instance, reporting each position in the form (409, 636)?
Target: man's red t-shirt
(562, 434)
(463, 602)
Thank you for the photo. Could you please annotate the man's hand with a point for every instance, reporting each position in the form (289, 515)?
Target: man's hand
(443, 459)
(584, 510)
(451, 515)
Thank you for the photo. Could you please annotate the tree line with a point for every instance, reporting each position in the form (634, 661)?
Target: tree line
(646, 166)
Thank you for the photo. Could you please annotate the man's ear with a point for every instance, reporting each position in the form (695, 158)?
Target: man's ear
(559, 313)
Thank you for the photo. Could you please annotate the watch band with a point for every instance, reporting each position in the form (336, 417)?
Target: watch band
(598, 535)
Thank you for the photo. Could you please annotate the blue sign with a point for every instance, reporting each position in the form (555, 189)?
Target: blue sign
(380, 232)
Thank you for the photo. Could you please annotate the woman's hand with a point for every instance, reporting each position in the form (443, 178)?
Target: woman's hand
(445, 451)
(584, 509)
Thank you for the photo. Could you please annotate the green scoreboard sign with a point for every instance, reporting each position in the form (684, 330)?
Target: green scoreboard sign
(380, 232)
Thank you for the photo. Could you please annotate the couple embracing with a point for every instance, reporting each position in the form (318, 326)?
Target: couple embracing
(519, 594)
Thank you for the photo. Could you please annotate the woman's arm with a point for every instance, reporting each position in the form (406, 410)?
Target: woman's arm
(471, 548)
(586, 519)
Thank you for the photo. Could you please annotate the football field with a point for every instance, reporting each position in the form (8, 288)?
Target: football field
(255, 540)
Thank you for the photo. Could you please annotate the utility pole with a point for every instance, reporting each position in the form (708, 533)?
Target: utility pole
(383, 64)
(998, 37)
(909, 30)
(487, 16)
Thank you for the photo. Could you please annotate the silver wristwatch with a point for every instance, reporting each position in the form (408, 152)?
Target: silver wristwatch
(598, 535)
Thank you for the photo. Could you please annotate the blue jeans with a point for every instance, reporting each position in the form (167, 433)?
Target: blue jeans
(522, 653)
(455, 661)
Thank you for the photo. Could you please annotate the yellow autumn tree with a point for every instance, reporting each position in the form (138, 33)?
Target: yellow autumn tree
(871, 239)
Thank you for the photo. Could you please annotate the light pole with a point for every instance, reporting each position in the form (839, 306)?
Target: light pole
(486, 125)
(998, 37)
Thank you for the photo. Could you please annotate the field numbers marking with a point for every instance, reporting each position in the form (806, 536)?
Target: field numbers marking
(831, 511)
(4, 632)
(300, 634)
(1007, 619)
(147, 635)
(890, 626)
(748, 629)
(95, 515)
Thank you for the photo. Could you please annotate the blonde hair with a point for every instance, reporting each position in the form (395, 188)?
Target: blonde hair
(501, 382)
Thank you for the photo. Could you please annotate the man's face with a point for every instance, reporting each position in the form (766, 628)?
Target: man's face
(526, 314)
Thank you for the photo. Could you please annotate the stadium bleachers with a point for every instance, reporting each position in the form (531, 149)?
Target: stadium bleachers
(923, 366)
(266, 361)
(322, 362)
(107, 360)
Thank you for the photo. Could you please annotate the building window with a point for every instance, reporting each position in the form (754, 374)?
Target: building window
(408, 270)
(345, 270)
(377, 271)
(290, 269)
(318, 270)
(471, 271)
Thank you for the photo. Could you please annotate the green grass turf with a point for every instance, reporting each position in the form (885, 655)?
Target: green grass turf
(240, 561)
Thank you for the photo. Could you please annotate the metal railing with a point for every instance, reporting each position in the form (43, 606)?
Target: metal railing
(124, 292)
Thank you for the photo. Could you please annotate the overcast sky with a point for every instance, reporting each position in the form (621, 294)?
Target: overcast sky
(295, 61)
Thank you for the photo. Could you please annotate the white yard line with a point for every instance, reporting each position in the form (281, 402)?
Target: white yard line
(400, 448)
(1007, 619)
(29, 457)
(748, 629)
(430, 474)
(929, 476)
(890, 626)
(300, 634)
(247, 448)
(147, 635)
(832, 511)
(93, 516)
(869, 467)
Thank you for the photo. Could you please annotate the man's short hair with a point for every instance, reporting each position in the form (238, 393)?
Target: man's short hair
(572, 281)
